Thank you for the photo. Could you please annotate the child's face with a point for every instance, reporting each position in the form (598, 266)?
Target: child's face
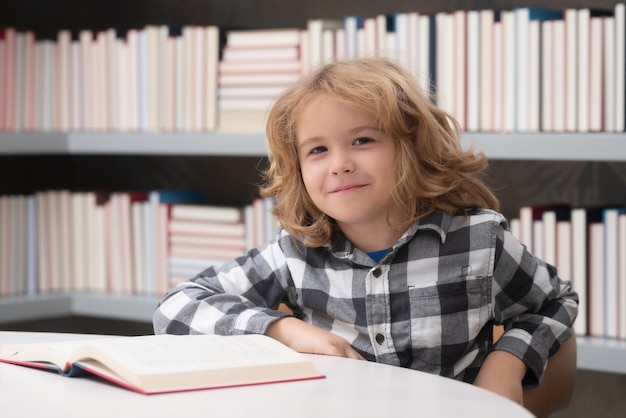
(347, 163)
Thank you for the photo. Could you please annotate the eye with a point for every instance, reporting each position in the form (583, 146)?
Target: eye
(318, 150)
(362, 140)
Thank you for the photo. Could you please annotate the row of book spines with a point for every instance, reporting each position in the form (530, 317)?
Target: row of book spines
(460, 114)
(148, 82)
(588, 247)
(58, 241)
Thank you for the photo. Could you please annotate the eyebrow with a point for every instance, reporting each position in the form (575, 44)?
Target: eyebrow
(352, 131)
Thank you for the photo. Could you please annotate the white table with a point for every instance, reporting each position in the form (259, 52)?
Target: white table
(351, 388)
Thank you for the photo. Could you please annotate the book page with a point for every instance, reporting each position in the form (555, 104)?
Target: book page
(169, 362)
(162, 353)
(56, 353)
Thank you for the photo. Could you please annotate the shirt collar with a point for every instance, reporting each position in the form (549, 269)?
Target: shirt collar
(438, 221)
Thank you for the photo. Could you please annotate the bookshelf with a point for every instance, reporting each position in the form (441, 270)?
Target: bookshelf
(513, 146)
(594, 354)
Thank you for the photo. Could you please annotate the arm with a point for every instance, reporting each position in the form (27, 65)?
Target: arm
(502, 373)
(535, 305)
(241, 296)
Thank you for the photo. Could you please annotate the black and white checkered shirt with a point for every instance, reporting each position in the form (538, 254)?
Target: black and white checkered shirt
(429, 304)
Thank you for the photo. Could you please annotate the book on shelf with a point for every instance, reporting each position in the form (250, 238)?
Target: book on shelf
(260, 38)
(207, 213)
(531, 225)
(620, 68)
(621, 276)
(595, 278)
(168, 363)
(260, 67)
(614, 257)
(321, 34)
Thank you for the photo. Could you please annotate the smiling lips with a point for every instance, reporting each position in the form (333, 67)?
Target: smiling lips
(348, 188)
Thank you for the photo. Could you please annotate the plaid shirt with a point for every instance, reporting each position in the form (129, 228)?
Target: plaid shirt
(429, 304)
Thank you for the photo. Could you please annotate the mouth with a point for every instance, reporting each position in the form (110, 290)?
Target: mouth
(347, 188)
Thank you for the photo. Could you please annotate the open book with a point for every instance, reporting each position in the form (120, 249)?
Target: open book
(169, 363)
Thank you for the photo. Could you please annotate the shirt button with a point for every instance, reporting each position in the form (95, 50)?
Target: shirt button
(380, 338)
(377, 272)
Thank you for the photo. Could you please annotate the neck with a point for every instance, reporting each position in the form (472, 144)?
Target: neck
(371, 238)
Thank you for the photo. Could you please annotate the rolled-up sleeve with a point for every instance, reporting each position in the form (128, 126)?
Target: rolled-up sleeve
(239, 297)
(536, 307)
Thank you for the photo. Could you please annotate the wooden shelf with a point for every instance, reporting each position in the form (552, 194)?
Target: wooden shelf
(539, 146)
(593, 353)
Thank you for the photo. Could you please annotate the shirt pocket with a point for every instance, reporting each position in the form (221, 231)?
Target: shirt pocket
(448, 314)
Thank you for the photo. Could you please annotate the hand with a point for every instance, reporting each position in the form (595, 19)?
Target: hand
(502, 373)
(306, 338)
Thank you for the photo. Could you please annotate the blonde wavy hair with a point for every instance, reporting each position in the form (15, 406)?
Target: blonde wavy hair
(432, 170)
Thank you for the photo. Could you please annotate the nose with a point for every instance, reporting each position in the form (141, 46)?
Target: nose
(342, 163)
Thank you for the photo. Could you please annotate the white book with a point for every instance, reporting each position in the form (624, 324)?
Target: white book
(207, 213)
(402, 40)
(260, 38)
(262, 104)
(132, 94)
(595, 288)
(609, 76)
(292, 66)
(579, 266)
(121, 108)
(31, 245)
(112, 63)
(521, 68)
(286, 53)
(251, 91)
(210, 95)
(179, 83)
(382, 45)
(199, 73)
(559, 82)
(340, 43)
(620, 45)
(351, 26)
(596, 73)
(538, 238)
(20, 47)
(49, 104)
(622, 276)
(564, 249)
(459, 88)
(533, 108)
(79, 243)
(368, 47)
(5, 245)
(498, 78)
(208, 241)
(486, 69)
(473, 71)
(508, 71)
(76, 95)
(584, 62)
(547, 75)
(277, 79)
(571, 69)
(549, 243)
(317, 30)
(329, 52)
(445, 61)
(423, 68)
(63, 45)
(611, 271)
